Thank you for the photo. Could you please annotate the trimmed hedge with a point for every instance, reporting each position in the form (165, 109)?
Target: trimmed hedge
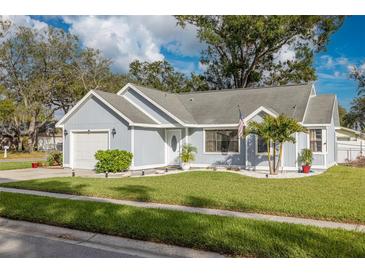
(112, 160)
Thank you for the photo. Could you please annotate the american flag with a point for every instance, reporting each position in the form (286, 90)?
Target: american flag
(241, 125)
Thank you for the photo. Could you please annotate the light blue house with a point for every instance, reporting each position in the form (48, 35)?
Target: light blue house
(154, 125)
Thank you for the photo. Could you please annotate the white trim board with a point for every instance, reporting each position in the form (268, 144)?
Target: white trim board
(129, 85)
(307, 105)
(132, 145)
(257, 111)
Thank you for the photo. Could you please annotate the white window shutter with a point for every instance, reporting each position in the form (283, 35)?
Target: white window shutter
(324, 140)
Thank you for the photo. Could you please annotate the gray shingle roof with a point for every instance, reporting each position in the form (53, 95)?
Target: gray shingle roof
(169, 101)
(121, 104)
(320, 109)
(221, 107)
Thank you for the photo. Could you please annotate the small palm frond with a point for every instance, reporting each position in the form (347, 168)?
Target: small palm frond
(188, 153)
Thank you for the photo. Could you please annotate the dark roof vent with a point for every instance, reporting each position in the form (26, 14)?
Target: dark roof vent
(191, 99)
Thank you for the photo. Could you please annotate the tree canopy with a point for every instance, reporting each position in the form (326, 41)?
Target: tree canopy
(162, 75)
(44, 71)
(355, 118)
(244, 51)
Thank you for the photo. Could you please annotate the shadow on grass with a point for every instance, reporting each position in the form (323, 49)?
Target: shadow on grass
(54, 186)
(137, 192)
(231, 236)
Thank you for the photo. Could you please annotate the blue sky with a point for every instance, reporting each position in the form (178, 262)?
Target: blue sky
(156, 37)
(346, 48)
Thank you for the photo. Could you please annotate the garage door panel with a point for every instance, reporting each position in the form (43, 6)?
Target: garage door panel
(85, 144)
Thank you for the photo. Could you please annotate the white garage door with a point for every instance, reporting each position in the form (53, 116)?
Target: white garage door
(84, 146)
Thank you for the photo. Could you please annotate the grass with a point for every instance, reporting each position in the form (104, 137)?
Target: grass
(336, 195)
(23, 155)
(14, 165)
(232, 236)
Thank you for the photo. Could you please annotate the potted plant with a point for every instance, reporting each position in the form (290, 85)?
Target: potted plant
(187, 155)
(306, 158)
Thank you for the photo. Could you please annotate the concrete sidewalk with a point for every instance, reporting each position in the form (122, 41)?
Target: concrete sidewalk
(208, 211)
(7, 176)
(25, 239)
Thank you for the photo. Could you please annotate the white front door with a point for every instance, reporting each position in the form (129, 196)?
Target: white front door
(84, 145)
(173, 141)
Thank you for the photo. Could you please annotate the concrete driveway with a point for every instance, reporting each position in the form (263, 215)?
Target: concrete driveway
(7, 176)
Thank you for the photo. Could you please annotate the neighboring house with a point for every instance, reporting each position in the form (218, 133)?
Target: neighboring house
(154, 125)
(48, 141)
(350, 144)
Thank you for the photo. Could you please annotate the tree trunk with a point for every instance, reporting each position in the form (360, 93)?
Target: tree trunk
(269, 157)
(31, 134)
(274, 157)
(20, 143)
(280, 157)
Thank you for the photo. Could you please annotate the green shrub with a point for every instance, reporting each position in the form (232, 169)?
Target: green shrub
(112, 160)
(55, 158)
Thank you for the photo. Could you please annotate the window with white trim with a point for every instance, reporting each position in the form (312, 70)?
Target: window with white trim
(222, 140)
(261, 145)
(317, 140)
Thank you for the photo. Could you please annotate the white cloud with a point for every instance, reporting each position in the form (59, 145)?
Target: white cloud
(286, 53)
(343, 61)
(327, 61)
(21, 20)
(336, 75)
(126, 38)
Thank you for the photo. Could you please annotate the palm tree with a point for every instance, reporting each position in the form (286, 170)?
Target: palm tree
(275, 131)
(188, 153)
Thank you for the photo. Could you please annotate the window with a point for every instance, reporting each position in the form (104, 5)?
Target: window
(174, 143)
(221, 140)
(316, 140)
(261, 145)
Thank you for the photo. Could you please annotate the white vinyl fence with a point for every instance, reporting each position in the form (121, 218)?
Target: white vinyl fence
(349, 150)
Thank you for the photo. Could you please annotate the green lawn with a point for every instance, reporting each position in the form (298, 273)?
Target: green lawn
(24, 155)
(232, 236)
(14, 165)
(338, 194)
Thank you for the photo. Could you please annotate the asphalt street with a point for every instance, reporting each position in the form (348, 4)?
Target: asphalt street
(16, 245)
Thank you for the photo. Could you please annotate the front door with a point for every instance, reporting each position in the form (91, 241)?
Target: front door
(173, 140)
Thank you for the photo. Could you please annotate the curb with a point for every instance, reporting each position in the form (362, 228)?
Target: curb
(135, 248)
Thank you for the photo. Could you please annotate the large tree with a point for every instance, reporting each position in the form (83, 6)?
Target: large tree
(43, 71)
(245, 51)
(162, 75)
(355, 118)
(358, 74)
